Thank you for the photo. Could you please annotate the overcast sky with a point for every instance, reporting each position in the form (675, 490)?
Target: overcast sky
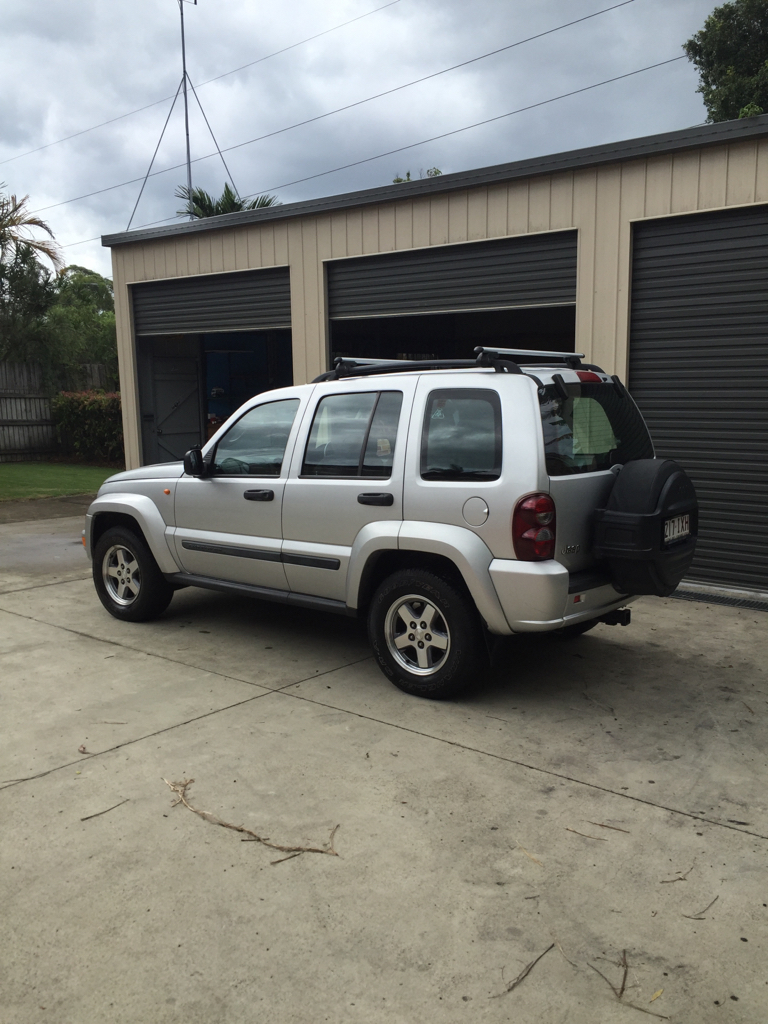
(65, 67)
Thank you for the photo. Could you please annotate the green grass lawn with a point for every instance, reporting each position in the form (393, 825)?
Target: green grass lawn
(49, 479)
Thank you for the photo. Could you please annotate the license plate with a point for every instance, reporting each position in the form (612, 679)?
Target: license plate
(676, 528)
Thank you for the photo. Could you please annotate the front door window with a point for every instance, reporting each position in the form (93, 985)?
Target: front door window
(255, 445)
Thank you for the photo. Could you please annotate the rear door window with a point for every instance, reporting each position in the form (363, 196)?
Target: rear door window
(353, 435)
(461, 438)
(597, 426)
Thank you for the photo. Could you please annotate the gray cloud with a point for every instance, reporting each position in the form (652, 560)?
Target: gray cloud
(64, 67)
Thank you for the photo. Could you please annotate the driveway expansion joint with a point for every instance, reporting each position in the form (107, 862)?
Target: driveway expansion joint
(522, 764)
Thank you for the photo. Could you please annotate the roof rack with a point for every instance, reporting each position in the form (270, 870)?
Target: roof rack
(503, 360)
(523, 355)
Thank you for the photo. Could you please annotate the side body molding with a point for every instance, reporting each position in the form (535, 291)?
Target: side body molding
(147, 515)
(470, 555)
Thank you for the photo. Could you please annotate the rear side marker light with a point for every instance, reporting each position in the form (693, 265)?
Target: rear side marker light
(533, 528)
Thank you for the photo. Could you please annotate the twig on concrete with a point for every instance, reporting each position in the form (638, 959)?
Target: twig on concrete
(523, 974)
(680, 878)
(283, 859)
(584, 835)
(99, 813)
(563, 952)
(180, 788)
(698, 917)
(614, 827)
(605, 707)
(619, 992)
(749, 709)
(529, 855)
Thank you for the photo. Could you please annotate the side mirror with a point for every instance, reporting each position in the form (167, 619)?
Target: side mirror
(193, 462)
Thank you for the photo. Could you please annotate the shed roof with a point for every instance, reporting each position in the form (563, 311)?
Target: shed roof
(591, 156)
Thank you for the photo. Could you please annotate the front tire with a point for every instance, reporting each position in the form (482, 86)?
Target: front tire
(127, 577)
(426, 634)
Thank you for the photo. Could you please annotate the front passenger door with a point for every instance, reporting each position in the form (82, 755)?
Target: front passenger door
(228, 523)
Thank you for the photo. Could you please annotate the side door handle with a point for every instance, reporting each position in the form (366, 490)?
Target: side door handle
(258, 495)
(376, 499)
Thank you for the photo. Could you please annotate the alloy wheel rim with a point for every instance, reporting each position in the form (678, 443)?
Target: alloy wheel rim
(121, 574)
(417, 635)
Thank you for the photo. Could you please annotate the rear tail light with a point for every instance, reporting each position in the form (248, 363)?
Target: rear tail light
(533, 528)
(588, 376)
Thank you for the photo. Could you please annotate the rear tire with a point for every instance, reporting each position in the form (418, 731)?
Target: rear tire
(127, 577)
(426, 634)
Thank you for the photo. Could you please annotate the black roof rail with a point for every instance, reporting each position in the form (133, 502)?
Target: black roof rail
(502, 360)
(346, 366)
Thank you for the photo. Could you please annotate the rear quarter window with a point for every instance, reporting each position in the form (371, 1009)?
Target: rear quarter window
(461, 438)
(597, 426)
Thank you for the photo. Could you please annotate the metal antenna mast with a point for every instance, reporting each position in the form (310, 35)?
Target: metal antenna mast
(185, 80)
(186, 105)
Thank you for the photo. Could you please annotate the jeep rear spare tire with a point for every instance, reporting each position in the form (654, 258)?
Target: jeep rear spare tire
(646, 535)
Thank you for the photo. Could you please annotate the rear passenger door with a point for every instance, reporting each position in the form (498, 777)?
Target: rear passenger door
(347, 472)
(455, 452)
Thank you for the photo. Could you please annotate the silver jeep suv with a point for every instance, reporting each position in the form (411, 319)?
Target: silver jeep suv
(447, 501)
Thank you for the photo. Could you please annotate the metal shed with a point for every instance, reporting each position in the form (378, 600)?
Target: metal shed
(649, 255)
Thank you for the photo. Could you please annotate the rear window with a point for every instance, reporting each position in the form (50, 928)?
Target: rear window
(461, 439)
(594, 428)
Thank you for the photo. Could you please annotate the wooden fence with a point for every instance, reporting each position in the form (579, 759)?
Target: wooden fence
(27, 432)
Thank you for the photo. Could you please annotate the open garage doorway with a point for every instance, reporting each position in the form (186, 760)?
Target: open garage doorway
(190, 383)
(454, 335)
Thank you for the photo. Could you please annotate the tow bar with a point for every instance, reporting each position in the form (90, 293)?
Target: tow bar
(619, 617)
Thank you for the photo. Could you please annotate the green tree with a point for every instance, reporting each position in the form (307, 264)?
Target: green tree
(27, 293)
(200, 203)
(17, 231)
(81, 323)
(731, 55)
(59, 322)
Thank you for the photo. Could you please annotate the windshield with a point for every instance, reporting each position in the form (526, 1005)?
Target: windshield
(597, 426)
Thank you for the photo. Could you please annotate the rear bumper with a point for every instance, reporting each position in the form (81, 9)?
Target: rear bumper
(537, 597)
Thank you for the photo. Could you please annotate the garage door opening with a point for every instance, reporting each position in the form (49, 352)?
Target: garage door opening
(190, 383)
(454, 335)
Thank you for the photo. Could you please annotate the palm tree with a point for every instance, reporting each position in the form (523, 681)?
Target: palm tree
(202, 204)
(16, 225)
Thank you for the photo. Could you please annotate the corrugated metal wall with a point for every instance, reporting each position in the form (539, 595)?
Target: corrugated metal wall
(537, 270)
(26, 428)
(214, 302)
(602, 203)
(698, 369)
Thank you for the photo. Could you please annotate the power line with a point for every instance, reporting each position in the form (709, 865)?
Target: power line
(347, 106)
(434, 138)
(477, 124)
(208, 81)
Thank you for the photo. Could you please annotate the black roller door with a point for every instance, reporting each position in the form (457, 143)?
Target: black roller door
(698, 369)
(506, 273)
(244, 301)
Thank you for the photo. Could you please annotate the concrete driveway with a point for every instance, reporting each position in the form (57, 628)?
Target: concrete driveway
(591, 800)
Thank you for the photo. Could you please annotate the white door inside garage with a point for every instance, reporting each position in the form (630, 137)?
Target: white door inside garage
(698, 369)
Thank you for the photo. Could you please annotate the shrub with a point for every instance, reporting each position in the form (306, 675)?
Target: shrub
(90, 424)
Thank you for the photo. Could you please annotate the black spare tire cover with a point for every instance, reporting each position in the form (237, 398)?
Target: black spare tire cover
(641, 534)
